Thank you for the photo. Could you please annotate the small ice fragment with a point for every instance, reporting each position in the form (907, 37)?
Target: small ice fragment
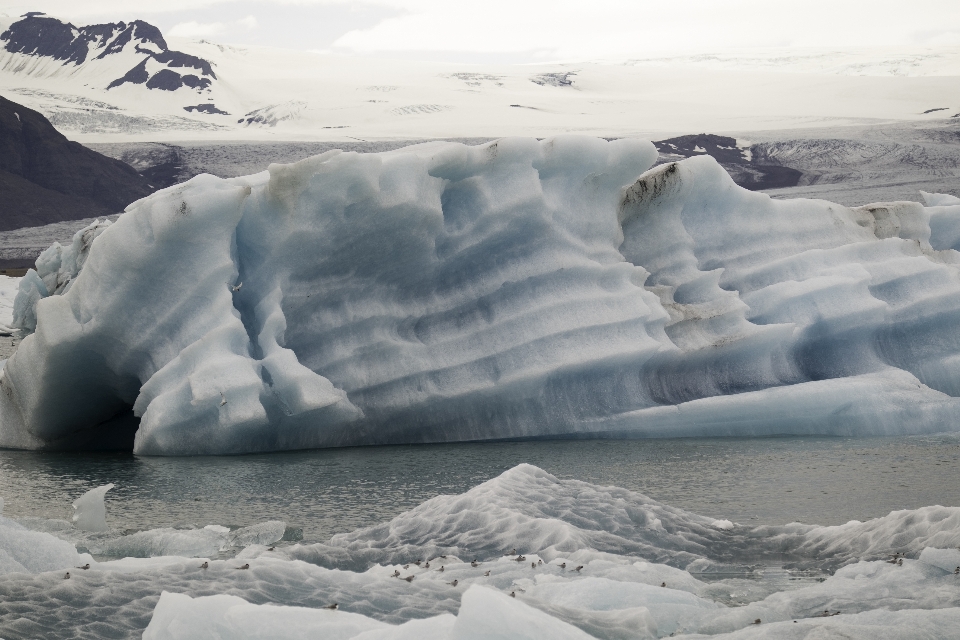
(90, 512)
(939, 199)
(216, 528)
(724, 525)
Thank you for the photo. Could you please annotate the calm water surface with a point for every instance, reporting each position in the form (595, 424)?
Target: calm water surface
(747, 480)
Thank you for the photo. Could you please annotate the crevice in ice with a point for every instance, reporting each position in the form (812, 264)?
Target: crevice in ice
(116, 434)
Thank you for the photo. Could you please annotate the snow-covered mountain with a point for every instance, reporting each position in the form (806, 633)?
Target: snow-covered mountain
(92, 81)
(107, 56)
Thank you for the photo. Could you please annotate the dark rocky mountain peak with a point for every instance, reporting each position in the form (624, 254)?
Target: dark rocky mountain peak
(46, 178)
(723, 148)
(740, 162)
(42, 36)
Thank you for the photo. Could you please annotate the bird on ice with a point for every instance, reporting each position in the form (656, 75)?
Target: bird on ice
(67, 577)
(205, 565)
(85, 567)
(454, 583)
(246, 566)
(409, 578)
(332, 606)
(395, 574)
(487, 574)
(578, 568)
(235, 288)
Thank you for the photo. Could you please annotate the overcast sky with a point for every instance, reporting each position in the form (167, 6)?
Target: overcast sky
(531, 30)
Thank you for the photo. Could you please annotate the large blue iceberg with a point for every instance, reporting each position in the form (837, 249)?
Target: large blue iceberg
(518, 289)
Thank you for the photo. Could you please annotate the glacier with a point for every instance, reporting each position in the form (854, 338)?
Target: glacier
(522, 555)
(517, 289)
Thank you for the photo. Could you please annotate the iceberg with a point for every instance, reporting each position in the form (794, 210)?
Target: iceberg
(517, 289)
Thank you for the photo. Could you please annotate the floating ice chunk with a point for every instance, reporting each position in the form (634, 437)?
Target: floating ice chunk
(164, 541)
(939, 199)
(486, 614)
(9, 288)
(208, 541)
(56, 268)
(871, 625)
(90, 512)
(179, 617)
(216, 528)
(263, 533)
(945, 227)
(25, 551)
(435, 628)
(31, 291)
(857, 588)
(666, 609)
(147, 565)
(946, 559)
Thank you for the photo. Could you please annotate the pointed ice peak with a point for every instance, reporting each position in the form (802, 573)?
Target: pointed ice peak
(90, 513)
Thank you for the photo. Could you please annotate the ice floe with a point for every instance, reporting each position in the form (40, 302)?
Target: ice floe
(589, 562)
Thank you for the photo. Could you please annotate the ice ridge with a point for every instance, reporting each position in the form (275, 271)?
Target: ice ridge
(517, 289)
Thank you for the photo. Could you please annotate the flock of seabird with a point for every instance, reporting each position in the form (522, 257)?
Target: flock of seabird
(475, 563)
(896, 558)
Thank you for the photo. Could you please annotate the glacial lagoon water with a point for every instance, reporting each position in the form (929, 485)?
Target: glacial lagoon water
(748, 480)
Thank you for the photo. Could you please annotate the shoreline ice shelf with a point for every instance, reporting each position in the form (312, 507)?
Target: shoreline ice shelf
(524, 555)
(516, 289)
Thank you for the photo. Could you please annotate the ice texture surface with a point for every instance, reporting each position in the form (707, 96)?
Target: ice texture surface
(590, 561)
(517, 289)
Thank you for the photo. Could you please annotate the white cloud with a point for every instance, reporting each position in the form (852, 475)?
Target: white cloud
(593, 28)
(556, 28)
(196, 29)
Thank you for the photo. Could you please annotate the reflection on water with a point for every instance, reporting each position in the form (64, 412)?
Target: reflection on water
(747, 480)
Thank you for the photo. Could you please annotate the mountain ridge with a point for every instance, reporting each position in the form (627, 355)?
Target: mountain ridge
(44, 177)
(41, 36)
